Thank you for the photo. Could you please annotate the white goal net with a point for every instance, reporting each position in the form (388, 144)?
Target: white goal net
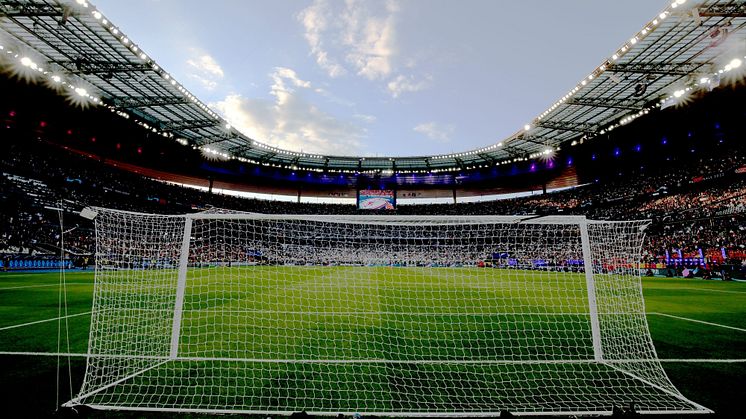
(384, 315)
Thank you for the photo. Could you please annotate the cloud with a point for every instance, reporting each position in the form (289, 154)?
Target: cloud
(368, 119)
(279, 88)
(359, 37)
(315, 21)
(290, 75)
(289, 121)
(205, 69)
(206, 64)
(403, 84)
(362, 34)
(207, 84)
(370, 38)
(435, 131)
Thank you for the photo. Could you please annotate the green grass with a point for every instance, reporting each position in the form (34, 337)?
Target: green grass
(400, 314)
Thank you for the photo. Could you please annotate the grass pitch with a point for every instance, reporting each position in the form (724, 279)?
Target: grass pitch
(692, 339)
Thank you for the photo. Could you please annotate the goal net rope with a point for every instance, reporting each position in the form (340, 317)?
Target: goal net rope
(386, 315)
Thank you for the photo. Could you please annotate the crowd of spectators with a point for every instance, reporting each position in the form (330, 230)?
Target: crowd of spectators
(695, 209)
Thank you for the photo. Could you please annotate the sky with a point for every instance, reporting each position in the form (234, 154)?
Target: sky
(379, 77)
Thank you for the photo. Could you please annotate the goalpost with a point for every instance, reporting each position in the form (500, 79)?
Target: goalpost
(381, 315)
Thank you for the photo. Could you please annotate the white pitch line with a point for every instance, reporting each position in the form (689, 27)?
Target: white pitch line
(44, 321)
(711, 290)
(704, 361)
(21, 353)
(698, 321)
(42, 285)
(665, 360)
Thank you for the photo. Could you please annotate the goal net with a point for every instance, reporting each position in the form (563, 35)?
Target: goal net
(381, 315)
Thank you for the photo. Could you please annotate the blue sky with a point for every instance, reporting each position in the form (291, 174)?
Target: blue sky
(378, 77)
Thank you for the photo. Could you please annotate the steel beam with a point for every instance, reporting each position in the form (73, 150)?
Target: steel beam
(723, 10)
(673, 69)
(98, 67)
(24, 9)
(568, 126)
(188, 124)
(147, 101)
(627, 104)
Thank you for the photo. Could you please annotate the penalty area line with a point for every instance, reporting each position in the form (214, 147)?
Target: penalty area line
(697, 321)
(44, 321)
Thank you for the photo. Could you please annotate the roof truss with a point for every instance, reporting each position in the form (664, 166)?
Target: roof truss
(94, 53)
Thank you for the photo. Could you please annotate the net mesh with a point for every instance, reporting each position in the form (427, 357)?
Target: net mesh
(388, 315)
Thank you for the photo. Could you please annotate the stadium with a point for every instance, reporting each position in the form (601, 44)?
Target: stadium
(173, 248)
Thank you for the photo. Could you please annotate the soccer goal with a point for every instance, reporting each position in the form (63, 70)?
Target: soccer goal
(381, 315)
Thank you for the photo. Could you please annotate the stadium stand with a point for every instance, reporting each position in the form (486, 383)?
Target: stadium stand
(694, 223)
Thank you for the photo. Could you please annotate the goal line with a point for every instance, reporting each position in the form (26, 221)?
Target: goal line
(662, 360)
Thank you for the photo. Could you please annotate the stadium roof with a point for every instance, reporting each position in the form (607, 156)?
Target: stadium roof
(689, 45)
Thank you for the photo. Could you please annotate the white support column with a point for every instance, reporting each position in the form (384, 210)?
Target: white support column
(180, 286)
(590, 283)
